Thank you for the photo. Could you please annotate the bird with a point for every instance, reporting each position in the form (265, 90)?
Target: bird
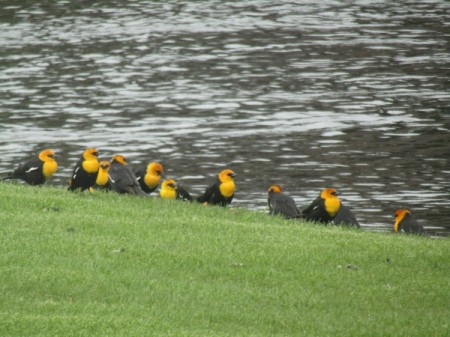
(150, 176)
(328, 208)
(406, 223)
(281, 204)
(122, 178)
(221, 192)
(85, 172)
(37, 170)
(102, 180)
(171, 190)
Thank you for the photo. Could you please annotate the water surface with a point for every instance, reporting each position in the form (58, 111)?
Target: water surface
(307, 95)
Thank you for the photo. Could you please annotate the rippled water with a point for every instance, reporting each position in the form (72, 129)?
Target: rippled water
(307, 94)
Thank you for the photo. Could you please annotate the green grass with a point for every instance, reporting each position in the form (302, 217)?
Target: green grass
(113, 265)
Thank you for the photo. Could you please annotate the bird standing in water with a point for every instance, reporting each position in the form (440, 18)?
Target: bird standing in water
(37, 170)
(221, 192)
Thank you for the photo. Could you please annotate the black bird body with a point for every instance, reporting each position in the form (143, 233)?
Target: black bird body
(406, 223)
(85, 172)
(37, 170)
(122, 179)
(221, 191)
(328, 208)
(281, 204)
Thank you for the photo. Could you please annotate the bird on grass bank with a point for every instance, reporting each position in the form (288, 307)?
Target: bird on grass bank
(328, 208)
(406, 223)
(150, 177)
(221, 192)
(85, 172)
(102, 181)
(122, 178)
(37, 170)
(281, 204)
(171, 190)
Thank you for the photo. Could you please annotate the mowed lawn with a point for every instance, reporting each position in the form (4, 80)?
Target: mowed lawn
(104, 264)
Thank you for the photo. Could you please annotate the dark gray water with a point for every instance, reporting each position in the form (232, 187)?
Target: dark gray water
(310, 94)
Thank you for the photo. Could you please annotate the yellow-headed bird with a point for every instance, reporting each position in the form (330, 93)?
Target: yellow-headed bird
(85, 172)
(221, 192)
(37, 170)
(102, 181)
(281, 204)
(122, 178)
(406, 223)
(328, 208)
(171, 190)
(150, 177)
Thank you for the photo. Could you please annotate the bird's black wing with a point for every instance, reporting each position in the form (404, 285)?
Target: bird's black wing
(140, 173)
(316, 211)
(345, 217)
(30, 172)
(209, 192)
(140, 177)
(410, 225)
(282, 204)
(183, 194)
(80, 178)
(123, 180)
(312, 206)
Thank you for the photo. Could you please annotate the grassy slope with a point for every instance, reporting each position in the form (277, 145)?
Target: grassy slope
(110, 265)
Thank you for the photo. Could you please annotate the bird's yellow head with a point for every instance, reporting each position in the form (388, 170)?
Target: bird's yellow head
(329, 193)
(90, 154)
(399, 216)
(155, 168)
(104, 165)
(120, 159)
(169, 183)
(401, 213)
(46, 155)
(226, 176)
(275, 189)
